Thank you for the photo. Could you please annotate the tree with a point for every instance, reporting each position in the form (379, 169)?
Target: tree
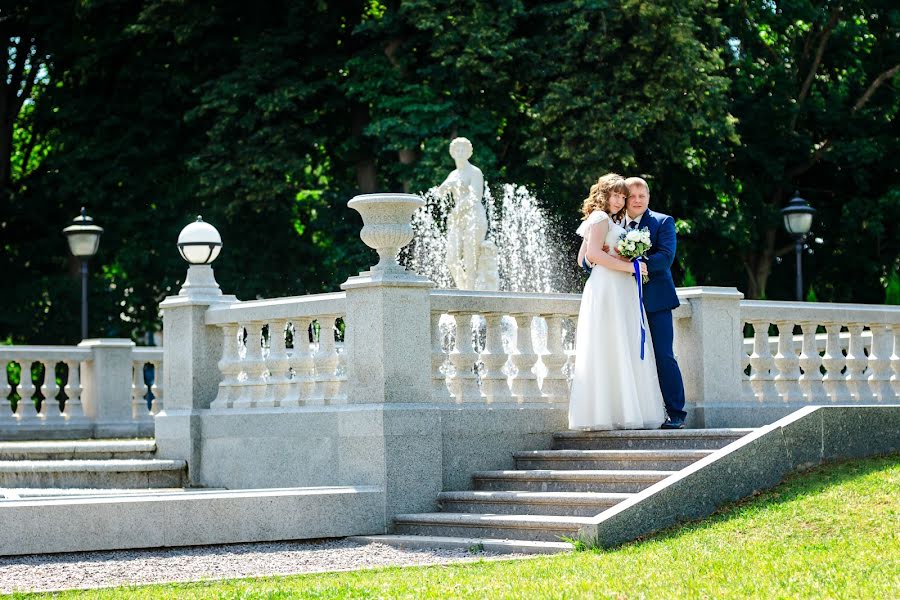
(813, 95)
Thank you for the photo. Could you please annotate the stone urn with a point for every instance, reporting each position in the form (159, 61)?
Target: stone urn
(387, 225)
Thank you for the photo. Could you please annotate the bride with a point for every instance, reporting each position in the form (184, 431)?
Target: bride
(612, 387)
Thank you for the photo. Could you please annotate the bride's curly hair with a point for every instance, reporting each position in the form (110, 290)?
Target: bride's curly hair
(598, 199)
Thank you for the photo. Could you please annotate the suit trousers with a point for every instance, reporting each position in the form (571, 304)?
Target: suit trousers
(670, 381)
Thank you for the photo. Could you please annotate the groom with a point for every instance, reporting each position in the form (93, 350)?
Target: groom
(659, 295)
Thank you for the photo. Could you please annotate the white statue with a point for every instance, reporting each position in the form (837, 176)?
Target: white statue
(471, 259)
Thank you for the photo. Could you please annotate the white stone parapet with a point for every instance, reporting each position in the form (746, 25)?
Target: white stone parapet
(285, 352)
(98, 388)
(824, 354)
(505, 347)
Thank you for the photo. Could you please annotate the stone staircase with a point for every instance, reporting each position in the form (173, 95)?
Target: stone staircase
(85, 467)
(552, 494)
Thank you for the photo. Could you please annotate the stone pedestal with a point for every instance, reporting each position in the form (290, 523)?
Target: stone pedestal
(191, 377)
(708, 347)
(106, 400)
(389, 345)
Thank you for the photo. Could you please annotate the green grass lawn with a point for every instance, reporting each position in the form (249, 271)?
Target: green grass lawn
(828, 533)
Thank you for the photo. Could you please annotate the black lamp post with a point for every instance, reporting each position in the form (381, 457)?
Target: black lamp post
(798, 215)
(84, 240)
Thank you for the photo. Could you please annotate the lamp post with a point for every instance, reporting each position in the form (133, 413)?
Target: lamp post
(798, 215)
(84, 240)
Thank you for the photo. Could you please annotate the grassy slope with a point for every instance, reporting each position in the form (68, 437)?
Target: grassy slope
(828, 533)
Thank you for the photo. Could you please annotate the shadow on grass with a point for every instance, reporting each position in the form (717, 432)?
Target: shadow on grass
(795, 486)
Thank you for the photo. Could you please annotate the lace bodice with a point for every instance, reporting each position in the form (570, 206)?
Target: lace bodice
(612, 236)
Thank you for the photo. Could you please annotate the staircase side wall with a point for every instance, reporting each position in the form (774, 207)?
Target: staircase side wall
(807, 438)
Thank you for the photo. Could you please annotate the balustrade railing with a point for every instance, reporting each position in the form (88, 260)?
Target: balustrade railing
(824, 352)
(51, 389)
(48, 387)
(285, 352)
(497, 347)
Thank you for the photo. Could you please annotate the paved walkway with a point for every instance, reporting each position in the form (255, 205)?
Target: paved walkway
(50, 572)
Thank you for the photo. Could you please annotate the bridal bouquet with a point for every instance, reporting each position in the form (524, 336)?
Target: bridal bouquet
(634, 244)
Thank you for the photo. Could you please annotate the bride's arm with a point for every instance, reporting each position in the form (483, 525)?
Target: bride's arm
(595, 254)
(581, 252)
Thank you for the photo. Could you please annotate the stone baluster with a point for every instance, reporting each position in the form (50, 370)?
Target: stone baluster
(439, 390)
(278, 365)
(525, 384)
(49, 389)
(139, 408)
(464, 384)
(25, 410)
(326, 360)
(787, 364)
(303, 365)
(569, 367)
(856, 365)
(494, 382)
(895, 363)
(761, 363)
(880, 363)
(5, 389)
(73, 409)
(811, 362)
(747, 393)
(156, 388)
(229, 366)
(339, 393)
(251, 389)
(833, 360)
(556, 387)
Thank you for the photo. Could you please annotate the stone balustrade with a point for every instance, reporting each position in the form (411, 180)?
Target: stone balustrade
(98, 388)
(858, 362)
(286, 352)
(504, 347)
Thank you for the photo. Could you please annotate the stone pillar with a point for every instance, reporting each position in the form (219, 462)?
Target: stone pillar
(388, 344)
(191, 374)
(106, 400)
(708, 345)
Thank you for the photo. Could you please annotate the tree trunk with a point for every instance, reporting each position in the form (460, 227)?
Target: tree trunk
(366, 170)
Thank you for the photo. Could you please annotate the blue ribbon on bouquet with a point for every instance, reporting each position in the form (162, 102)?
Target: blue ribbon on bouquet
(640, 284)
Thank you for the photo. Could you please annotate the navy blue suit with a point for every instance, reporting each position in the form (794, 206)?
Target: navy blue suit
(659, 301)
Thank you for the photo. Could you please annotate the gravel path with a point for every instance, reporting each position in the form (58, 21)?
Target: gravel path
(51, 572)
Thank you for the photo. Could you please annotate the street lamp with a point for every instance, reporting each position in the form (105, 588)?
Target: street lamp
(84, 239)
(798, 215)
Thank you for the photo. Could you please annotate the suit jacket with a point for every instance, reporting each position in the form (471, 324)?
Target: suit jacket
(659, 292)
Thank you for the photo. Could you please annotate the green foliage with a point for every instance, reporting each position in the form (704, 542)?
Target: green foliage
(267, 121)
(892, 289)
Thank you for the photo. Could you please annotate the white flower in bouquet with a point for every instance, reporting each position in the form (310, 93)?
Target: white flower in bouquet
(634, 244)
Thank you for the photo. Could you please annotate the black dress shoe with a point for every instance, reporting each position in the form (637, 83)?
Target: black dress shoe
(673, 424)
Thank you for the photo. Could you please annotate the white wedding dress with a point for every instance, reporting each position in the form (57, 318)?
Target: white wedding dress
(612, 388)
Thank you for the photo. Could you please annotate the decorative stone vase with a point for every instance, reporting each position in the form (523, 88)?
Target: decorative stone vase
(387, 225)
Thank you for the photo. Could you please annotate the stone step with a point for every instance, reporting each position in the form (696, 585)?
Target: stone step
(544, 480)
(474, 545)
(187, 518)
(8, 494)
(658, 460)
(77, 449)
(112, 473)
(575, 504)
(651, 439)
(543, 528)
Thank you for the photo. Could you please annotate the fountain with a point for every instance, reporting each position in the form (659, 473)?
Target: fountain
(466, 239)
